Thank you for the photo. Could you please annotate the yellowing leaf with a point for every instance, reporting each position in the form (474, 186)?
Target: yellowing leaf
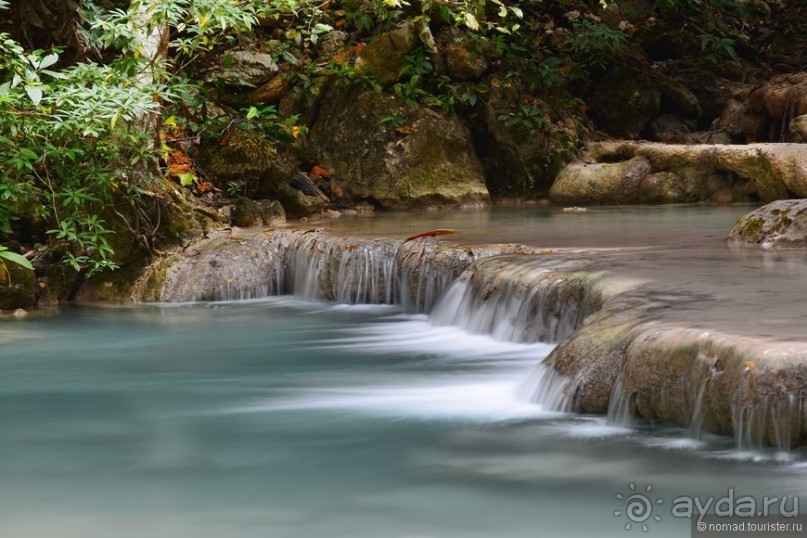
(471, 22)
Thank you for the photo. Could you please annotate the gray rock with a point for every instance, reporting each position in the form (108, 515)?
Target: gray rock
(251, 158)
(243, 68)
(798, 129)
(395, 155)
(767, 171)
(383, 56)
(670, 128)
(332, 43)
(731, 119)
(782, 223)
(601, 183)
(245, 213)
(296, 203)
(464, 64)
(521, 161)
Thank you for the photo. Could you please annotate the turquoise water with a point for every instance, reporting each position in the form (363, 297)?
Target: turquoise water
(286, 419)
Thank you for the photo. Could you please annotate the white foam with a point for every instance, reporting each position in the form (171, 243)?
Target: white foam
(416, 335)
(461, 397)
(591, 428)
(678, 443)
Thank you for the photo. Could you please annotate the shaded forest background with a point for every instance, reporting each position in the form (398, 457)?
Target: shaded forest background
(130, 127)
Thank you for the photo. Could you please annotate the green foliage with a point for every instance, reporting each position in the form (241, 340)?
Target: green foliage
(594, 44)
(80, 140)
(717, 48)
(67, 139)
(267, 120)
(6, 256)
(526, 116)
(421, 84)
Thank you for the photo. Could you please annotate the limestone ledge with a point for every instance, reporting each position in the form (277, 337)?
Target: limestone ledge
(623, 172)
(610, 328)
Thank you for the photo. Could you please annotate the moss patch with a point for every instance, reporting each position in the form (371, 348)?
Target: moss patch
(752, 226)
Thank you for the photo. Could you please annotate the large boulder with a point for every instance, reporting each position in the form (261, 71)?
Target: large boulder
(624, 102)
(719, 173)
(627, 182)
(395, 155)
(457, 58)
(771, 107)
(243, 67)
(521, 157)
(18, 287)
(780, 223)
(247, 212)
(384, 56)
(250, 159)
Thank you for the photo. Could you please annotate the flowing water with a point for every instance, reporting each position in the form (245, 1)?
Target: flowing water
(287, 417)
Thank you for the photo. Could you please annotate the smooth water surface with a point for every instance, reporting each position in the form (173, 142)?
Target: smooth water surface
(681, 250)
(281, 418)
(290, 419)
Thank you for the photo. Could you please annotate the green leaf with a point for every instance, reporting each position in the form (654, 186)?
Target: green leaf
(471, 22)
(13, 257)
(55, 74)
(186, 179)
(48, 61)
(252, 112)
(35, 93)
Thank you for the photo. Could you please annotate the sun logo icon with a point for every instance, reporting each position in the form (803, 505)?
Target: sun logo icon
(638, 507)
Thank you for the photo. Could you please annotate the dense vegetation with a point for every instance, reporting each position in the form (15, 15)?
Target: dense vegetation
(106, 106)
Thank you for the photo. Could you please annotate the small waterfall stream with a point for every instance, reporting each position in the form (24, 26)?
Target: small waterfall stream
(488, 291)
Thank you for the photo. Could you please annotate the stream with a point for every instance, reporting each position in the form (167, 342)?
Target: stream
(285, 417)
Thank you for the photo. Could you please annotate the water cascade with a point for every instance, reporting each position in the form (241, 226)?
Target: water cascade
(620, 406)
(621, 361)
(517, 300)
(696, 424)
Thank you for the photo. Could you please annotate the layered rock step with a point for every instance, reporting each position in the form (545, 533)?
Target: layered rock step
(627, 172)
(620, 350)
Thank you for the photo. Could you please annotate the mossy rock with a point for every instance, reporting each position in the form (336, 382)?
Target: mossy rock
(521, 160)
(18, 287)
(384, 56)
(249, 158)
(393, 154)
(782, 223)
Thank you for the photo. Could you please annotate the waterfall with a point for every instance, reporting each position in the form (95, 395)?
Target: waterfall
(546, 387)
(220, 269)
(775, 420)
(696, 424)
(339, 269)
(500, 292)
(515, 301)
(620, 406)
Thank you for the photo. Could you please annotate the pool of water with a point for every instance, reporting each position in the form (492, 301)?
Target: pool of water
(743, 290)
(281, 418)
